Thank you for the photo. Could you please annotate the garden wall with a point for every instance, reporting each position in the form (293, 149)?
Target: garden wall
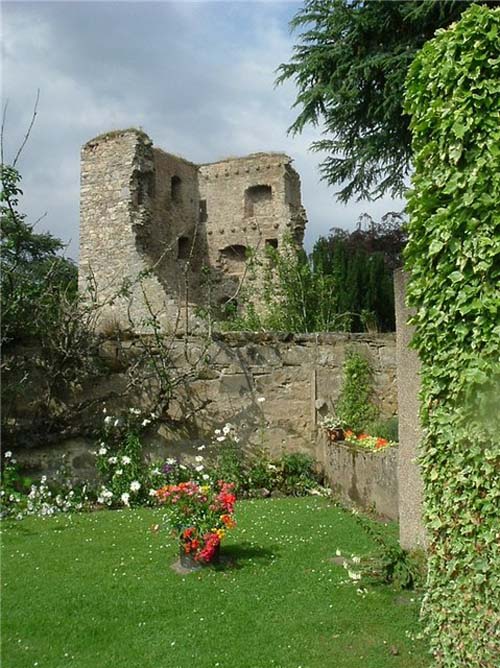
(274, 388)
(363, 479)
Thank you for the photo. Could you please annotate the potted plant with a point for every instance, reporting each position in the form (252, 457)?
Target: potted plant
(198, 517)
(334, 427)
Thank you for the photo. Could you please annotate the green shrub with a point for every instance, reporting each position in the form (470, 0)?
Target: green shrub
(298, 473)
(354, 405)
(390, 563)
(453, 255)
(388, 429)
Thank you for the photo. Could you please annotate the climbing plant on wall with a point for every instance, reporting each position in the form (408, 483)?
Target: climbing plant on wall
(453, 255)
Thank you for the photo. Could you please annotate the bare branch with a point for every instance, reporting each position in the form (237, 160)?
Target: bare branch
(26, 137)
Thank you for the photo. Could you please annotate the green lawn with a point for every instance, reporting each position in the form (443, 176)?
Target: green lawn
(97, 591)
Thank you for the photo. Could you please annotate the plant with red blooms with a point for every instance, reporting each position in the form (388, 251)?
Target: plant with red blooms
(373, 443)
(199, 516)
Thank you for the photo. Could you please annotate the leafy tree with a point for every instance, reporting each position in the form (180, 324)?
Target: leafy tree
(362, 264)
(34, 277)
(345, 285)
(349, 67)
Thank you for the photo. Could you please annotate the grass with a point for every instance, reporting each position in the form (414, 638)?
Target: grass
(97, 591)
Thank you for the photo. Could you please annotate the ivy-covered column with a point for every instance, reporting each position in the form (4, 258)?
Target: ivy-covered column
(453, 96)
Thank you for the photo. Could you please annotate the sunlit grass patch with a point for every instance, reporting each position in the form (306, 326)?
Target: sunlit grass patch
(98, 590)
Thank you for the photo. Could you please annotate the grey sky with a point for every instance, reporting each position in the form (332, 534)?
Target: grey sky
(197, 77)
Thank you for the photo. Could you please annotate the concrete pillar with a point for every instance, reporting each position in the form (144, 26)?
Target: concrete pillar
(411, 529)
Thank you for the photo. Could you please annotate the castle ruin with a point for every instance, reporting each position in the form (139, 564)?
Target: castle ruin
(167, 228)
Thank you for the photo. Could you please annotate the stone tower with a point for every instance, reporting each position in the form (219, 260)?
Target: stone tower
(151, 222)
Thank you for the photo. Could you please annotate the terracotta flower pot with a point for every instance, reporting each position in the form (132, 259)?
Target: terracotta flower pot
(336, 434)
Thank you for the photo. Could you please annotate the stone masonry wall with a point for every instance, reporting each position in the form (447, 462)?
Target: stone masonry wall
(298, 376)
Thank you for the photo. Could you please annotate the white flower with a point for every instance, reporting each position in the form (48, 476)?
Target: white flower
(117, 423)
(181, 466)
(108, 419)
(198, 458)
(152, 492)
(125, 498)
(102, 451)
(338, 553)
(104, 410)
(199, 468)
(272, 467)
(201, 447)
(356, 560)
(126, 460)
(261, 400)
(112, 460)
(226, 429)
(145, 422)
(221, 438)
(217, 431)
(134, 411)
(135, 486)
(205, 476)
(119, 472)
(13, 461)
(8, 454)
(353, 575)
(156, 471)
(170, 461)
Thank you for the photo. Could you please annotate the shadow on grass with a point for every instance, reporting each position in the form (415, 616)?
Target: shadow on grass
(239, 555)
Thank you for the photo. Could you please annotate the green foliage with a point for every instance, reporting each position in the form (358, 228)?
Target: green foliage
(125, 476)
(453, 255)
(292, 474)
(34, 278)
(390, 564)
(298, 473)
(354, 406)
(294, 297)
(346, 284)
(361, 264)
(387, 429)
(349, 67)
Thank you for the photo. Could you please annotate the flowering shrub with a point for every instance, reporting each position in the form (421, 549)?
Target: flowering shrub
(199, 516)
(373, 443)
(126, 478)
(42, 499)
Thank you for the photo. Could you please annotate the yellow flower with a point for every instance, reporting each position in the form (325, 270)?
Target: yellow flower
(221, 533)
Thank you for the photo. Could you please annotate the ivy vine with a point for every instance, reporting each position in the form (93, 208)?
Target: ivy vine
(453, 256)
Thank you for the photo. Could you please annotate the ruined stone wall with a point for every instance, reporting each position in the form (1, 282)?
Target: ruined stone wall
(147, 212)
(248, 204)
(117, 224)
(298, 377)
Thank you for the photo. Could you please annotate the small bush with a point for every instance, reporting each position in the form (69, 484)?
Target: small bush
(355, 407)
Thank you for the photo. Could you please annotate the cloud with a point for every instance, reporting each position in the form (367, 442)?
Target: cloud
(198, 77)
